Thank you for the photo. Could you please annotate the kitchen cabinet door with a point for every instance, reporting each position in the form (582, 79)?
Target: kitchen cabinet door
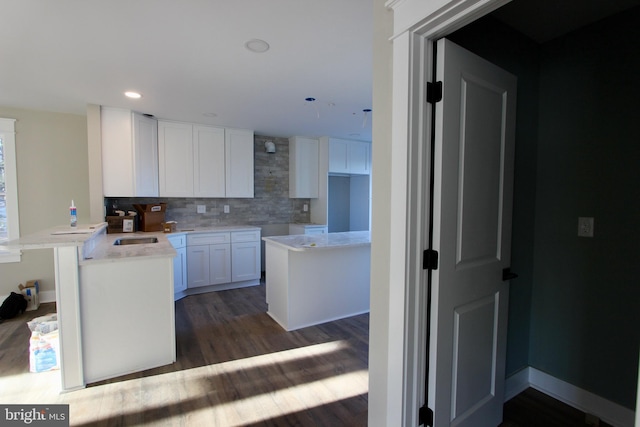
(175, 143)
(339, 156)
(245, 261)
(359, 158)
(303, 167)
(197, 266)
(349, 157)
(129, 153)
(208, 161)
(179, 243)
(219, 264)
(239, 163)
(180, 270)
(145, 137)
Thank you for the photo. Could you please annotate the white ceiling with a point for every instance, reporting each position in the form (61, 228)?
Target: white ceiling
(188, 59)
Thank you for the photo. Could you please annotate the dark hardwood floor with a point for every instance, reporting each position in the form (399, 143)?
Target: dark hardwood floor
(236, 367)
(532, 408)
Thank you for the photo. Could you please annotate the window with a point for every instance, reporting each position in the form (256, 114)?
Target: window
(9, 222)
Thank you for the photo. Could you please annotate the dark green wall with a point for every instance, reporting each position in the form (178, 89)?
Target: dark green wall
(575, 309)
(585, 323)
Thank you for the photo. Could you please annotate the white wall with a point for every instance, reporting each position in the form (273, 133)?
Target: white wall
(51, 155)
(380, 404)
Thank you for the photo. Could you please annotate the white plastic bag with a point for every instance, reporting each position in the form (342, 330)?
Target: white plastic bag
(33, 324)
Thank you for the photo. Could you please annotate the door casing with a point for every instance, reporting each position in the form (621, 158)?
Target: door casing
(416, 25)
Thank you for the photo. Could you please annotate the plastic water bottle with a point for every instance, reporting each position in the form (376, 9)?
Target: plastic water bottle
(73, 214)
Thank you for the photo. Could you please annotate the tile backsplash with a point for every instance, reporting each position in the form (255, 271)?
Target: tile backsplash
(271, 203)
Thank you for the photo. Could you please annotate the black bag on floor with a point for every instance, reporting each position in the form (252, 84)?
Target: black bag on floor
(13, 305)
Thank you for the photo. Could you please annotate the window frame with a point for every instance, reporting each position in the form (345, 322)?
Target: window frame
(7, 131)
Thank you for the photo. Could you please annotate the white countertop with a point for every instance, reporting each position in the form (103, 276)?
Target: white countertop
(97, 246)
(58, 236)
(106, 251)
(309, 242)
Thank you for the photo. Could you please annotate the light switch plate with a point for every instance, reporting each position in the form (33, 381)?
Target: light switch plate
(201, 209)
(226, 208)
(585, 227)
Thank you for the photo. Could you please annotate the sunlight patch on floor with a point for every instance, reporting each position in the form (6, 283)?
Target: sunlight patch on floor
(294, 399)
(192, 388)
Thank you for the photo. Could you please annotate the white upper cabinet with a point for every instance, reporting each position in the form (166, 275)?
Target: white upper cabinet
(209, 162)
(303, 167)
(339, 156)
(175, 146)
(349, 157)
(239, 163)
(204, 161)
(129, 153)
(360, 158)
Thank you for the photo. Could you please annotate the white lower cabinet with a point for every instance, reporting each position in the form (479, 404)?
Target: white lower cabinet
(197, 266)
(245, 261)
(223, 258)
(208, 265)
(219, 264)
(179, 243)
(208, 259)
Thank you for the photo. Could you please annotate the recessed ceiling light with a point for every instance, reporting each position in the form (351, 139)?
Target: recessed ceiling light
(133, 95)
(257, 45)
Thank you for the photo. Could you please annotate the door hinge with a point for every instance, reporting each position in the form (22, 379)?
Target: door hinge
(434, 92)
(430, 260)
(425, 417)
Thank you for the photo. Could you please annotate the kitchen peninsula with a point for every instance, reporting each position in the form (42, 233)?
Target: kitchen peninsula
(313, 279)
(108, 298)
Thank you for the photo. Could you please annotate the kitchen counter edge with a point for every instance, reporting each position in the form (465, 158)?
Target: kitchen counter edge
(314, 242)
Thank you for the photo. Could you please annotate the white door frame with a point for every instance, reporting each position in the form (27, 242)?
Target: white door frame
(416, 24)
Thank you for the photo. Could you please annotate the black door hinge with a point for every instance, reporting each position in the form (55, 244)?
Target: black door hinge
(434, 92)
(430, 260)
(425, 417)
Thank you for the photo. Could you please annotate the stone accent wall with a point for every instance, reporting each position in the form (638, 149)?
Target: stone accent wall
(271, 203)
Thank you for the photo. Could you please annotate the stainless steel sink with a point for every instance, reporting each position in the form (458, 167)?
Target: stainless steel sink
(135, 241)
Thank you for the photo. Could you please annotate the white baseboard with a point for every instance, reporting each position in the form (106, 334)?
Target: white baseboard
(587, 402)
(516, 384)
(47, 296)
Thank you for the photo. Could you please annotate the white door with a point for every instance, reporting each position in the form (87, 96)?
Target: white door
(474, 151)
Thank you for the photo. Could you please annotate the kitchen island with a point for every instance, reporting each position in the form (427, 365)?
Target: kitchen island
(313, 279)
(114, 302)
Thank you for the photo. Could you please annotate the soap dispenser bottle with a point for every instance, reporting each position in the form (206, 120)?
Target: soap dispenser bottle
(73, 214)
